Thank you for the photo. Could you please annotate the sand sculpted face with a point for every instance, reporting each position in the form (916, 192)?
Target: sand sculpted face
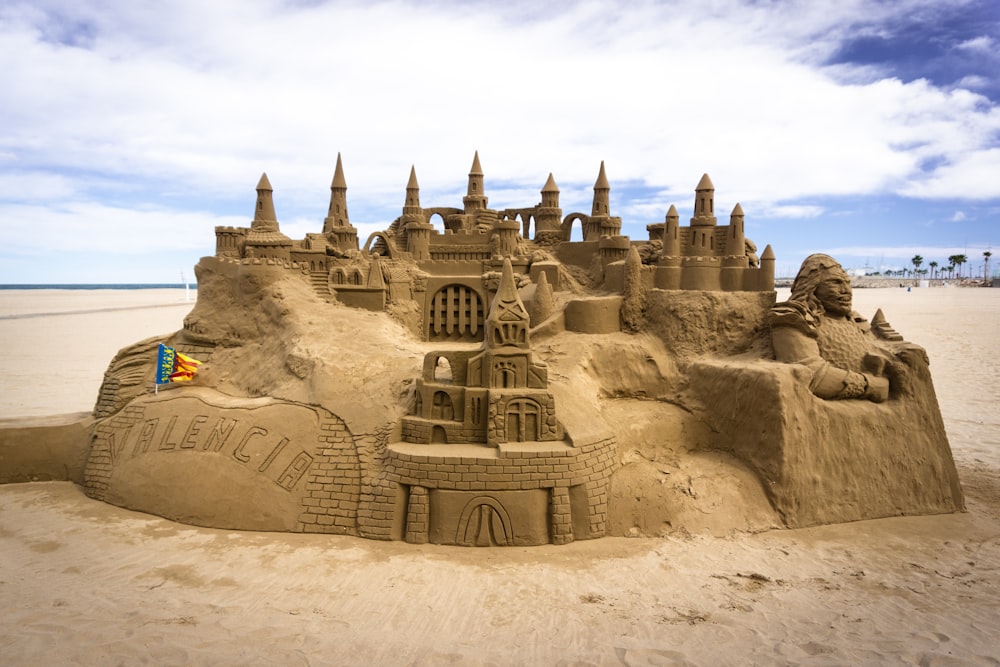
(834, 293)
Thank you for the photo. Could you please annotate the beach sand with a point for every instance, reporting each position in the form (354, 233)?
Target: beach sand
(82, 582)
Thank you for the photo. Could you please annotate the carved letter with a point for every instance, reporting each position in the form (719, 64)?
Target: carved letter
(220, 434)
(166, 435)
(293, 473)
(192, 431)
(274, 453)
(238, 452)
(146, 436)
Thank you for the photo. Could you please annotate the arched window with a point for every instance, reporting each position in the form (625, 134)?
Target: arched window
(456, 313)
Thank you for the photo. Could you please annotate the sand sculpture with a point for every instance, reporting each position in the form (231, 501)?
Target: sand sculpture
(475, 376)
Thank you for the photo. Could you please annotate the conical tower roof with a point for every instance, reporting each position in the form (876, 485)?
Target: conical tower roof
(476, 168)
(508, 320)
(672, 212)
(412, 183)
(338, 175)
(550, 185)
(602, 180)
(737, 210)
(705, 183)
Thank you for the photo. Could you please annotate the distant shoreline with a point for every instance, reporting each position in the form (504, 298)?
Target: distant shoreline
(93, 286)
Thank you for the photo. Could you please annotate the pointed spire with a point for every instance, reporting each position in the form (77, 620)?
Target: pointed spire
(602, 195)
(507, 322)
(475, 199)
(602, 180)
(768, 253)
(737, 211)
(704, 203)
(550, 185)
(672, 213)
(338, 175)
(264, 211)
(412, 183)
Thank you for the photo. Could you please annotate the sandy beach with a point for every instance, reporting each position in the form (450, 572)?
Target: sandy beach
(82, 582)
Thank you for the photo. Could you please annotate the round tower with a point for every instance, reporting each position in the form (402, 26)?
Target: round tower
(668, 275)
(337, 226)
(475, 199)
(548, 215)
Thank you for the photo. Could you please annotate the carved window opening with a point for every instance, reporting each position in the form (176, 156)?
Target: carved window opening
(523, 420)
(442, 370)
(456, 313)
(442, 407)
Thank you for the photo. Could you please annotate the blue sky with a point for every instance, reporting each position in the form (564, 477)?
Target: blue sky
(868, 130)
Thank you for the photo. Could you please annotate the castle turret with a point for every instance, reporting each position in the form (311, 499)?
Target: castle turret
(601, 223)
(704, 203)
(548, 215)
(337, 214)
(337, 226)
(702, 240)
(734, 259)
(671, 233)
(507, 324)
(475, 199)
(412, 204)
(265, 240)
(735, 239)
(602, 194)
(765, 279)
(413, 223)
(264, 217)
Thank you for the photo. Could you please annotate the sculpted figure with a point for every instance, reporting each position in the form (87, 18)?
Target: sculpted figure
(816, 327)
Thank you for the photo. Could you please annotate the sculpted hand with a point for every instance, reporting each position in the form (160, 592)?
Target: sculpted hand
(878, 388)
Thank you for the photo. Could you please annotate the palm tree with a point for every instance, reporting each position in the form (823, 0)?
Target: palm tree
(960, 260)
(986, 264)
(934, 266)
(917, 261)
(951, 267)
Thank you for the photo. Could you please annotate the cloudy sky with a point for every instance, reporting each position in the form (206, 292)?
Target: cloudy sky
(128, 130)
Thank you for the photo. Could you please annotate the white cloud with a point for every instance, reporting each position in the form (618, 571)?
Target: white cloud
(202, 97)
(981, 44)
(959, 216)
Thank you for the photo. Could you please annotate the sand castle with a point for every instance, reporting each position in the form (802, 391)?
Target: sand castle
(474, 376)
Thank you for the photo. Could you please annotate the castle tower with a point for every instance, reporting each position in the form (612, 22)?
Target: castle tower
(337, 214)
(601, 223)
(412, 204)
(602, 195)
(735, 239)
(265, 240)
(704, 203)
(734, 260)
(337, 226)
(507, 325)
(548, 216)
(476, 199)
(264, 218)
(702, 239)
(765, 279)
(415, 227)
(671, 233)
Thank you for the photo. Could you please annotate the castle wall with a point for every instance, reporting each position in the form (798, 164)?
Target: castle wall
(574, 480)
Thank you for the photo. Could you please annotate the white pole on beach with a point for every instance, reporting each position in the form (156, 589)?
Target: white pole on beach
(187, 288)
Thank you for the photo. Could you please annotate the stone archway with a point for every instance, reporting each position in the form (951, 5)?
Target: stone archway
(484, 522)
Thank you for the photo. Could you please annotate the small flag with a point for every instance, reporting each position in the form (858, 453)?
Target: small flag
(172, 366)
